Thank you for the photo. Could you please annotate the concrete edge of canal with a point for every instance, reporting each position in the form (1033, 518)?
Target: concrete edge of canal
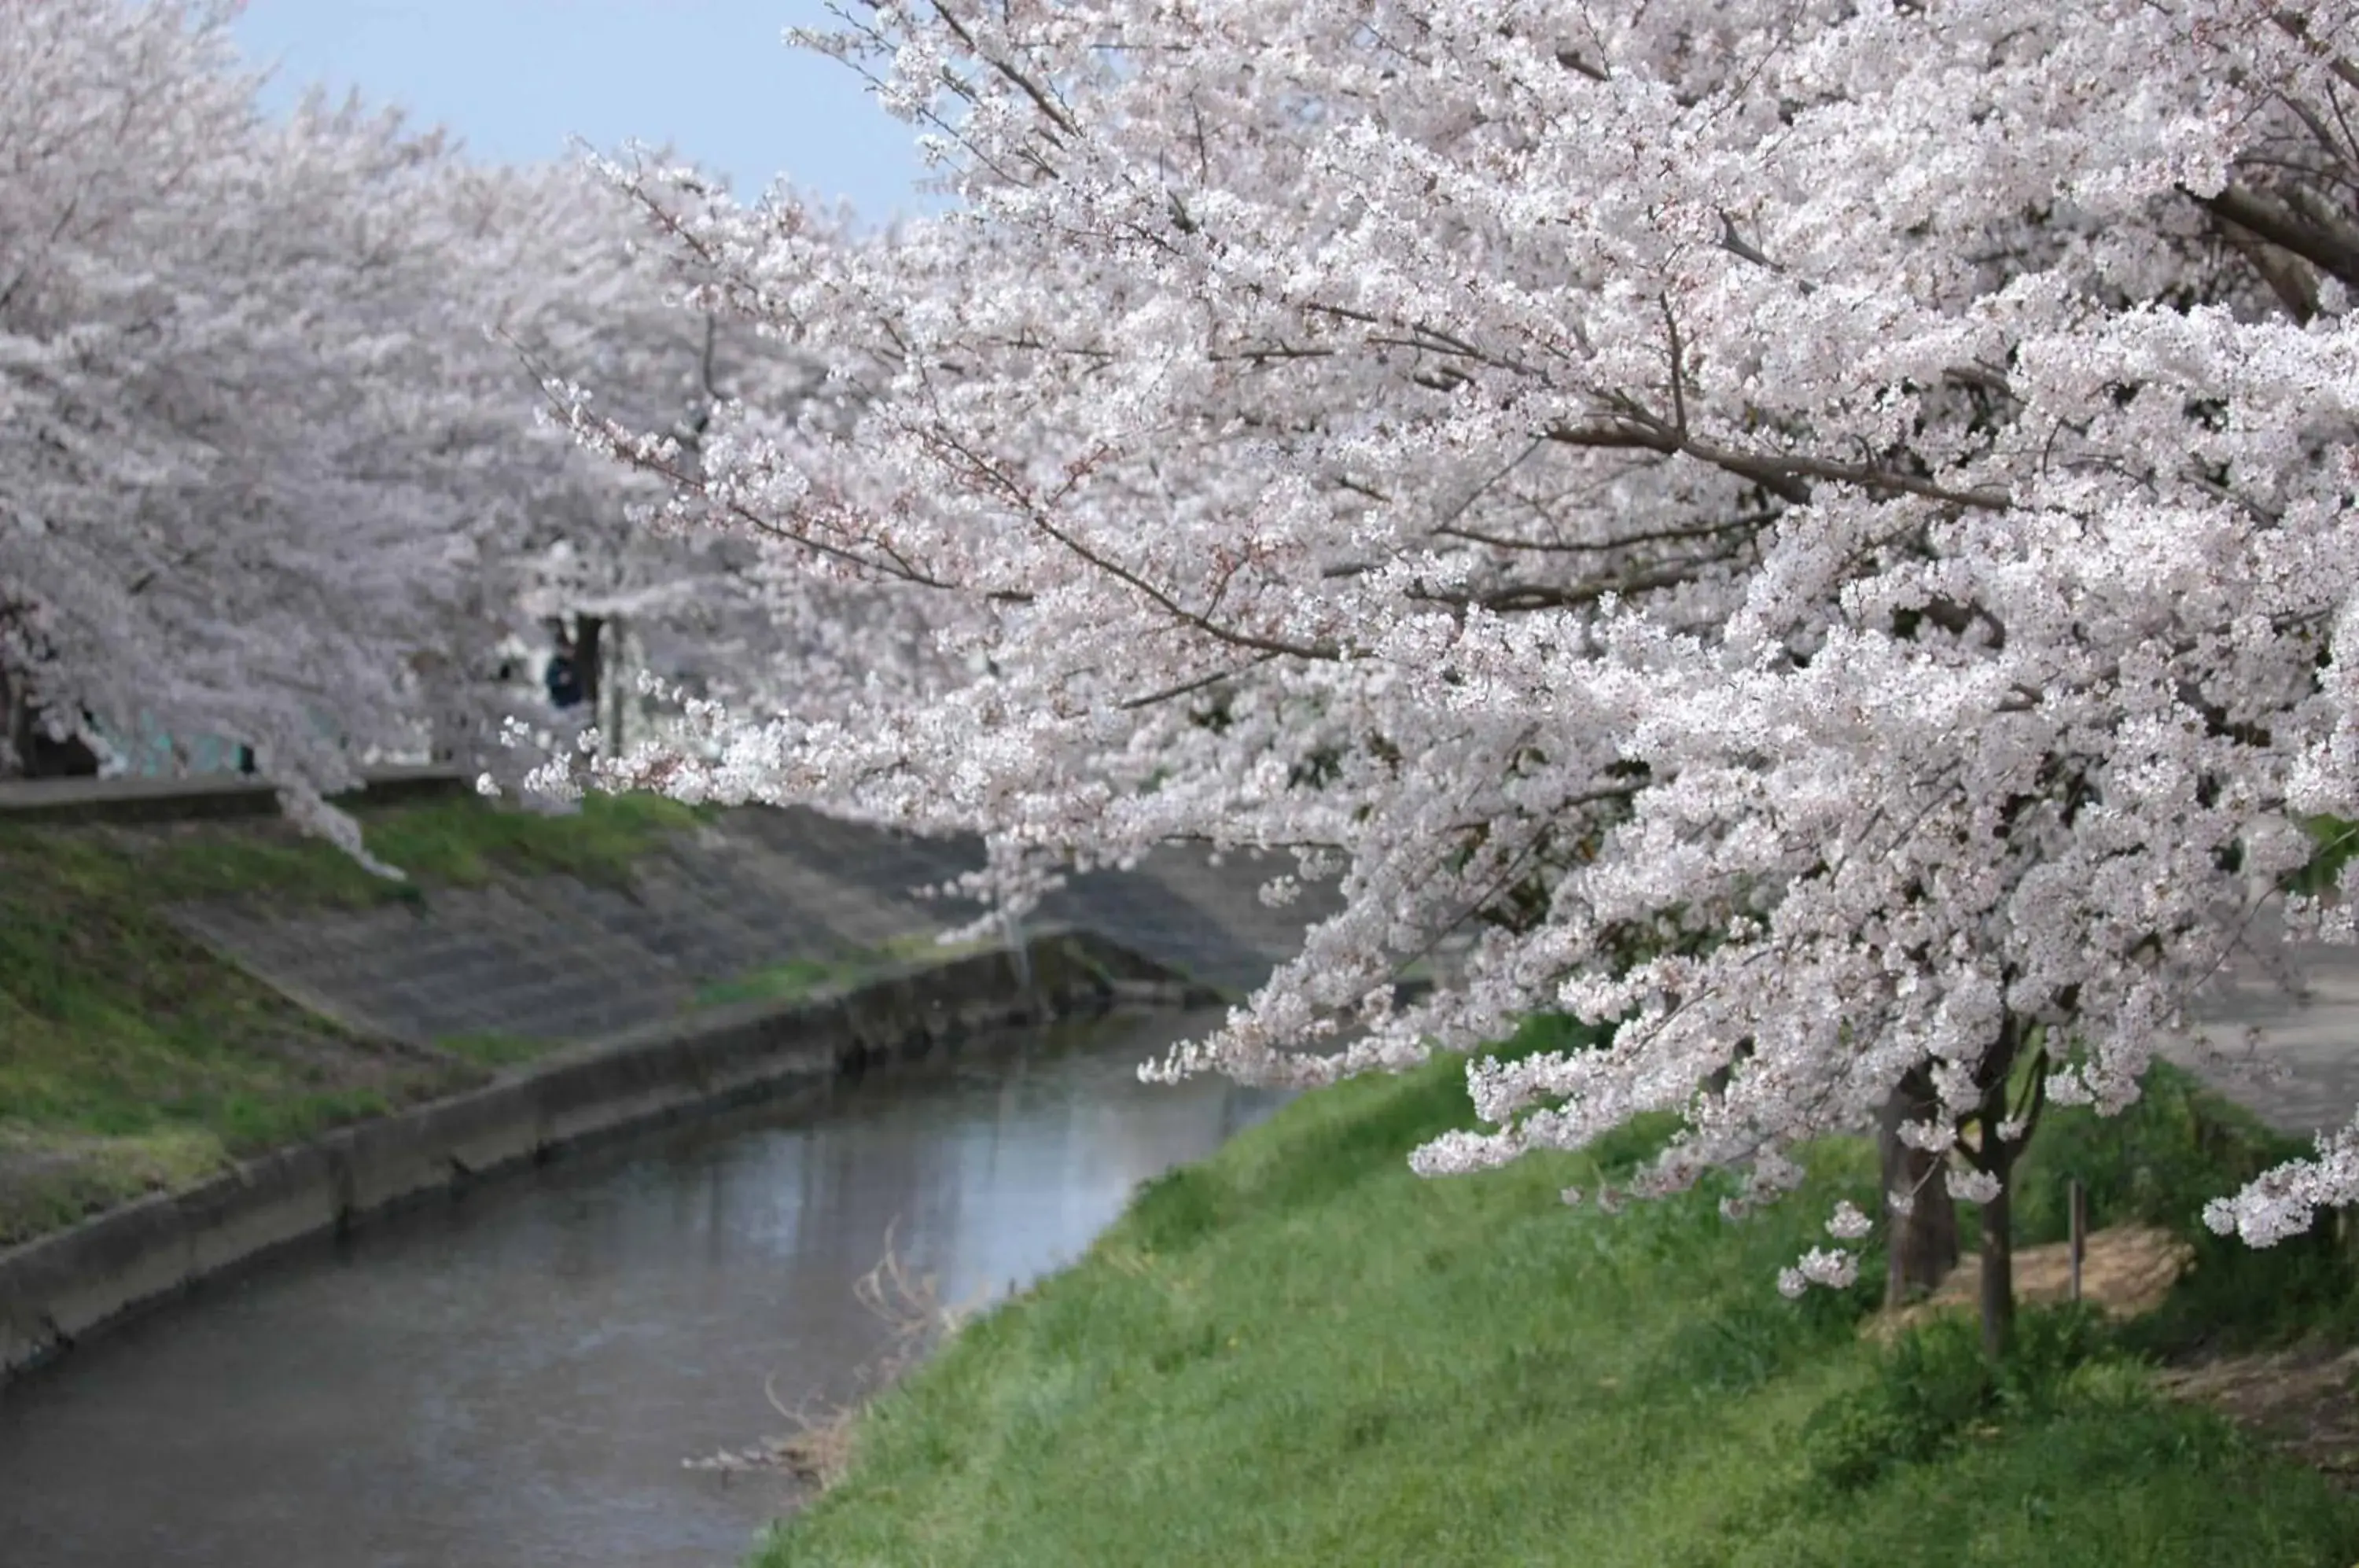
(62, 1288)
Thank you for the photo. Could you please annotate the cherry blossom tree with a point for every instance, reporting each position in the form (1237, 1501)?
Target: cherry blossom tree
(571, 293)
(276, 466)
(1826, 530)
(236, 490)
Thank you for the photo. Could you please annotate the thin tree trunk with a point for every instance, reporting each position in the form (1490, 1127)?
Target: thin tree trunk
(586, 658)
(1922, 1244)
(16, 740)
(1995, 1156)
(613, 731)
(38, 755)
(1998, 1267)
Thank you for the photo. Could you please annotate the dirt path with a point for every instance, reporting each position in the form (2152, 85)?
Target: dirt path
(2126, 1270)
(2303, 1401)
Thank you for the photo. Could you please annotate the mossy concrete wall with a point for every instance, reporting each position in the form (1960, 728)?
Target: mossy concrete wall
(219, 795)
(62, 1287)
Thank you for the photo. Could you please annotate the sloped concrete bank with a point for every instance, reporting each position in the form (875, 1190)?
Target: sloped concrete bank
(60, 1288)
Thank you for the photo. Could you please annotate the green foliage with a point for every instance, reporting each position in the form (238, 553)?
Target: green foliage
(1540, 1032)
(465, 840)
(49, 1179)
(1173, 1212)
(1935, 1383)
(2236, 1297)
(2157, 1163)
(807, 975)
(1340, 1137)
(773, 982)
(2099, 1485)
(496, 1050)
(457, 841)
(2337, 842)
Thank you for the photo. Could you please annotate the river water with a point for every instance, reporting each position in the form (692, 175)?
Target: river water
(513, 1382)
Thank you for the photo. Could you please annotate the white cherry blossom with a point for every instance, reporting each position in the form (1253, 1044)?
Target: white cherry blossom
(1827, 534)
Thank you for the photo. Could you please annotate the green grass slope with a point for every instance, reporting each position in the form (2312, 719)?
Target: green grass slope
(133, 1059)
(1297, 1353)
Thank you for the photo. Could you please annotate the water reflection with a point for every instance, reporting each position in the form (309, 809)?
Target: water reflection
(515, 1379)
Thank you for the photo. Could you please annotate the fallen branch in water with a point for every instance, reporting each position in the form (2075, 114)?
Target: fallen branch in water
(820, 1449)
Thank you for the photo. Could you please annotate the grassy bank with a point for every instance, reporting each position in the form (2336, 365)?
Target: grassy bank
(800, 979)
(130, 1058)
(1297, 1353)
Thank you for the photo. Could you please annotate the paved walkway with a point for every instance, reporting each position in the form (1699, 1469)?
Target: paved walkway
(2314, 1040)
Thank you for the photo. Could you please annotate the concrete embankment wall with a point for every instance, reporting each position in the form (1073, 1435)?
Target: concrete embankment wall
(538, 954)
(60, 1288)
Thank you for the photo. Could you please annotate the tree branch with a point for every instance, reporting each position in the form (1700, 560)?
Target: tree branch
(1785, 477)
(2331, 245)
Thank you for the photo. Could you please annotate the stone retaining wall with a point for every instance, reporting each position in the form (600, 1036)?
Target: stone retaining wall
(60, 1288)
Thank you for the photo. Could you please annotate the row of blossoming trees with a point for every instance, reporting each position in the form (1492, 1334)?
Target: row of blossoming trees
(1825, 530)
(269, 465)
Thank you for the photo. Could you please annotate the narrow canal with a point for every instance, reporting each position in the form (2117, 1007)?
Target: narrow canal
(515, 1379)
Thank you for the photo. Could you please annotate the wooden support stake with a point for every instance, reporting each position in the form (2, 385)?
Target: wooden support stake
(2080, 1209)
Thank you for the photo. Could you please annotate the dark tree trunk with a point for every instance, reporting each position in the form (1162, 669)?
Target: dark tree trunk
(1998, 1266)
(69, 759)
(587, 662)
(16, 728)
(1994, 1156)
(1922, 1244)
(38, 755)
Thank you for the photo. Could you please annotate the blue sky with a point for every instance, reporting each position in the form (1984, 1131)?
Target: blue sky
(516, 78)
